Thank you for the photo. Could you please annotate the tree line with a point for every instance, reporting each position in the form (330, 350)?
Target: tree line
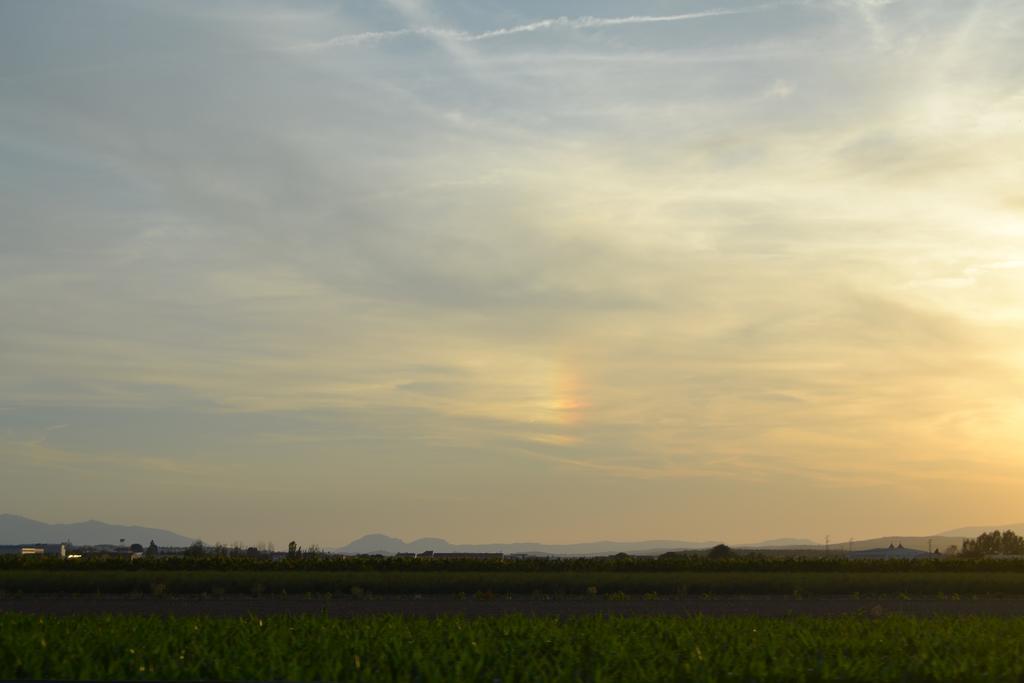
(998, 543)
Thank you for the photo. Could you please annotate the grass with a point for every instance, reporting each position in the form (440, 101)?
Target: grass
(239, 582)
(512, 648)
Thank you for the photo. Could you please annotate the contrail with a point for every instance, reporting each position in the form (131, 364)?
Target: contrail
(543, 24)
(596, 22)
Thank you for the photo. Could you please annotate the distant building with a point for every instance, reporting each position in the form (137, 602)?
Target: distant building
(111, 552)
(53, 549)
(462, 556)
(893, 552)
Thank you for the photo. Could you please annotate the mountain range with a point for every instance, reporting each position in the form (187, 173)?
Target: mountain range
(975, 531)
(386, 545)
(381, 544)
(373, 544)
(15, 530)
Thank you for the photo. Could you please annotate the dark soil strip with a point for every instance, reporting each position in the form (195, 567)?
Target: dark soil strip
(771, 606)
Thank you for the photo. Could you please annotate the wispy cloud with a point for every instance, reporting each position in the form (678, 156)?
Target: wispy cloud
(571, 23)
(777, 262)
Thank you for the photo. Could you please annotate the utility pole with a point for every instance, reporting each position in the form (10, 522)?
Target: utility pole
(827, 539)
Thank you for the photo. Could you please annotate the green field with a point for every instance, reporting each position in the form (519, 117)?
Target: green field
(666, 576)
(513, 648)
(616, 563)
(338, 583)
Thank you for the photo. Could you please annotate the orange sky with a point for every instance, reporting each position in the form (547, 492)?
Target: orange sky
(513, 272)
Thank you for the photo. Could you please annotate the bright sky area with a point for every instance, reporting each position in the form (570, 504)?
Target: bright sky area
(493, 271)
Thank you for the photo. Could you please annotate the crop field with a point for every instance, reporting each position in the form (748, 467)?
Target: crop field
(368, 583)
(512, 648)
(616, 563)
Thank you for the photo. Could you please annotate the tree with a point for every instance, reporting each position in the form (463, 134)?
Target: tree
(293, 549)
(152, 550)
(197, 549)
(136, 547)
(994, 543)
(720, 552)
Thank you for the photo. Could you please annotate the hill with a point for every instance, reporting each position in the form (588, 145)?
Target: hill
(975, 531)
(16, 530)
(388, 545)
(381, 544)
(910, 542)
(781, 543)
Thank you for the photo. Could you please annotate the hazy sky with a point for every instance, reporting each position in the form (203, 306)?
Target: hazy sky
(503, 270)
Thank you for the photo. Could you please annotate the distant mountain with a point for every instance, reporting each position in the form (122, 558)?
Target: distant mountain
(912, 542)
(924, 543)
(374, 544)
(387, 545)
(15, 530)
(379, 544)
(975, 531)
(782, 543)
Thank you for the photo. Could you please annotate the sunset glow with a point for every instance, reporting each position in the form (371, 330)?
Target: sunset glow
(669, 269)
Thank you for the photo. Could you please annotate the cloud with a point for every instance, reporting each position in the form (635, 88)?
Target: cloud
(427, 275)
(779, 89)
(572, 23)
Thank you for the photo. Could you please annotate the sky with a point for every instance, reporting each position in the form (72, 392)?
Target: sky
(501, 270)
